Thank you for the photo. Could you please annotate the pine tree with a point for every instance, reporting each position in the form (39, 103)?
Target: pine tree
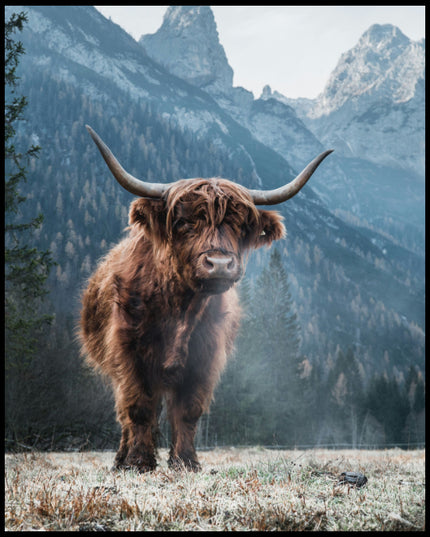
(26, 268)
(233, 399)
(415, 392)
(345, 396)
(388, 403)
(276, 349)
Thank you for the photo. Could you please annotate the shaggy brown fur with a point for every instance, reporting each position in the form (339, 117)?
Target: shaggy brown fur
(157, 323)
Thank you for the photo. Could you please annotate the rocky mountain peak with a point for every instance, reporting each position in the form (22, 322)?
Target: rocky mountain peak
(373, 103)
(187, 44)
(267, 92)
(384, 62)
(383, 35)
(179, 19)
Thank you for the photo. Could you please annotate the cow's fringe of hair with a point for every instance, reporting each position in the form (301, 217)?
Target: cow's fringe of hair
(214, 196)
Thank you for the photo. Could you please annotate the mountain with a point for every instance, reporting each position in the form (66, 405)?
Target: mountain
(373, 103)
(371, 112)
(355, 291)
(353, 285)
(187, 45)
(74, 44)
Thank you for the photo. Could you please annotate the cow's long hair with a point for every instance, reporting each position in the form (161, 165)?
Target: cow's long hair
(144, 322)
(161, 311)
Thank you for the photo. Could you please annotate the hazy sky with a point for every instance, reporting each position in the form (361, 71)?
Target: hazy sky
(291, 48)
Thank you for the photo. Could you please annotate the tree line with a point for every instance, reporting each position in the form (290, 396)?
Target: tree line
(272, 394)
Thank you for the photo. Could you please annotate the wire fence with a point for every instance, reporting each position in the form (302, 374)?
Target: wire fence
(399, 445)
(85, 445)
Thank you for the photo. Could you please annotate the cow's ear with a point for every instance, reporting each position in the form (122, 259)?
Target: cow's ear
(151, 214)
(271, 228)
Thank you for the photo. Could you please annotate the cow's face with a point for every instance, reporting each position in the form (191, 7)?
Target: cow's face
(204, 227)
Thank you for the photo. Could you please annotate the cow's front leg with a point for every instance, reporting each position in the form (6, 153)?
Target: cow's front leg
(123, 449)
(139, 422)
(184, 411)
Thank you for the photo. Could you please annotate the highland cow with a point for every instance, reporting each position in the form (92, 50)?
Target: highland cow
(161, 311)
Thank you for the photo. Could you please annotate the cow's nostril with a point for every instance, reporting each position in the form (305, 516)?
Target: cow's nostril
(208, 264)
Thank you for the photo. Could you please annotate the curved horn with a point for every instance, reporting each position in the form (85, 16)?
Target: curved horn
(284, 193)
(129, 182)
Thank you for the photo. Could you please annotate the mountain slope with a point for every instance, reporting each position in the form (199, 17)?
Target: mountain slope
(372, 110)
(344, 278)
(79, 56)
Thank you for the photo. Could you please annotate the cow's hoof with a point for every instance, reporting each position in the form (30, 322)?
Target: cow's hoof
(141, 469)
(136, 465)
(178, 464)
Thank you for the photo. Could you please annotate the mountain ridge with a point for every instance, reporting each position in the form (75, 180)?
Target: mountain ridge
(326, 256)
(375, 94)
(295, 133)
(384, 61)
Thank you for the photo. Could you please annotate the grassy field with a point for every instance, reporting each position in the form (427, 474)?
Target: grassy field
(238, 489)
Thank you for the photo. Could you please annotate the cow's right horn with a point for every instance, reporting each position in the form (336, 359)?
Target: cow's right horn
(126, 180)
(284, 193)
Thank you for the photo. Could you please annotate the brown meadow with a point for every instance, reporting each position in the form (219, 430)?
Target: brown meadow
(238, 489)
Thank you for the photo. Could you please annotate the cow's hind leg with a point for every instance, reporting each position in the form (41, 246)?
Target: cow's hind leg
(123, 449)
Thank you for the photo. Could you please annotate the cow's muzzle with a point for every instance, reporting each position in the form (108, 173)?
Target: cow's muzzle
(216, 270)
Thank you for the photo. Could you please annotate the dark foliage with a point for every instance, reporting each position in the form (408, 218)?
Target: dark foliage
(26, 266)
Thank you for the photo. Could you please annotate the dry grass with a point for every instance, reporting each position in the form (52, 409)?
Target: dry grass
(238, 489)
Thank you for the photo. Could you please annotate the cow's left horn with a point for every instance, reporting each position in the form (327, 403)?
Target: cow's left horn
(284, 193)
(129, 182)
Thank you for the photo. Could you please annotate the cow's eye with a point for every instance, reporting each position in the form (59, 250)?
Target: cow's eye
(181, 224)
(244, 230)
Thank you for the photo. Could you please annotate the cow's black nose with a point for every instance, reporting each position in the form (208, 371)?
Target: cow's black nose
(220, 266)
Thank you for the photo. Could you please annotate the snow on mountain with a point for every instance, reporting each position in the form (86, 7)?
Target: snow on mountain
(384, 63)
(372, 109)
(373, 104)
(83, 47)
